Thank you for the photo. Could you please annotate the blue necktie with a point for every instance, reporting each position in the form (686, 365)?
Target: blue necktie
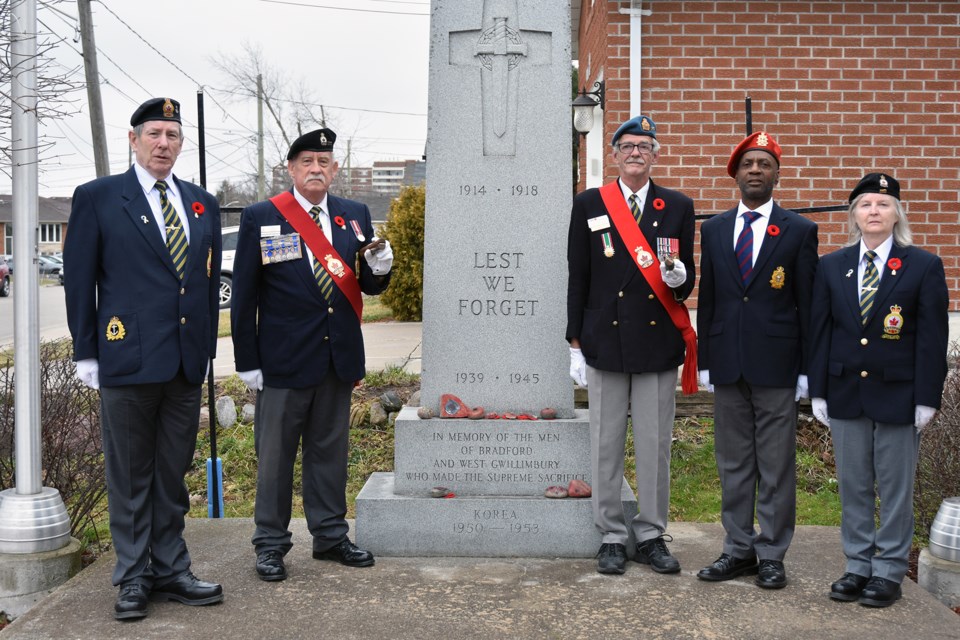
(176, 237)
(744, 247)
(323, 278)
(868, 288)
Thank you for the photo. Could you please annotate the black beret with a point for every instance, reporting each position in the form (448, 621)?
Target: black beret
(876, 183)
(639, 126)
(319, 140)
(156, 109)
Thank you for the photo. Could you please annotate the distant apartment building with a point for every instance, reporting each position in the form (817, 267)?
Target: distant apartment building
(384, 178)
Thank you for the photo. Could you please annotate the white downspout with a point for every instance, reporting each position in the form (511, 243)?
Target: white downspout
(636, 54)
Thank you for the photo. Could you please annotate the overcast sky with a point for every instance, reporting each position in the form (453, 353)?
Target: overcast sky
(364, 60)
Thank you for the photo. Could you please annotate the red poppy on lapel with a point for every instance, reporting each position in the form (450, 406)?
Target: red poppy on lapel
(773, 230)
(197, 209)
(894, 264)
(339, 222)
(659, 204)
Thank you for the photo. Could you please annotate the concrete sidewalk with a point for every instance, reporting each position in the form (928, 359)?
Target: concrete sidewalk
(450, 598)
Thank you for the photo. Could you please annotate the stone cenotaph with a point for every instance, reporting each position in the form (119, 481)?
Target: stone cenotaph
(494, 302)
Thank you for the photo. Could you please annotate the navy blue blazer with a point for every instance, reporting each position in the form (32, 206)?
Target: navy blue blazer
(282, 324)
(899, 359)
(611, 309)
(758, 330)
(117, 266)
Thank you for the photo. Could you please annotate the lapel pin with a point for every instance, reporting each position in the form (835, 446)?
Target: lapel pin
(144, 218)
(850, 273)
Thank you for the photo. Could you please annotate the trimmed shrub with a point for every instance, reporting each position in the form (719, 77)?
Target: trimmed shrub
(404, 230)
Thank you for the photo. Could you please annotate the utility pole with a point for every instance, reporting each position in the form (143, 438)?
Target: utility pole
(347, 167)
(261, 191)
(97, 130)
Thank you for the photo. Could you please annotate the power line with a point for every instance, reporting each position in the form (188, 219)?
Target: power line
(321, 6)
(327, 106)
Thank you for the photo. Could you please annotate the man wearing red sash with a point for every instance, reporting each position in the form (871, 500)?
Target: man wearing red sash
(295, 317)
(630, 256)
(757, 265)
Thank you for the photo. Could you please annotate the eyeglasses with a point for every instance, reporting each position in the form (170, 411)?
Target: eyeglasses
(627, 148)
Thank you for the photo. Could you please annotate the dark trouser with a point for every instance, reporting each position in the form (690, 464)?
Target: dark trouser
(755, 440)
(320, 416)
(149, 437)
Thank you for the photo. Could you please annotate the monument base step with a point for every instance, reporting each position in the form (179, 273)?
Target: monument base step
(477, 526)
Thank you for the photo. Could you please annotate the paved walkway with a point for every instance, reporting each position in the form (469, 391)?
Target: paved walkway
(452, 598)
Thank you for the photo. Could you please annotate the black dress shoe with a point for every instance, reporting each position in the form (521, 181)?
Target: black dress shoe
(612, 558)
(654, 552)
(726, 567)
(880, 592)
(345, 552)
(188, 589)
(771, 575)
(848, 587)
(131, 602)
(270, 566)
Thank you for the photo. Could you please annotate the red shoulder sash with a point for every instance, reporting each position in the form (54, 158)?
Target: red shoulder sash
(631, 235)
(313, 236)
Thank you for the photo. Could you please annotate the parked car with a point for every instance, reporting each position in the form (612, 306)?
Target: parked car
(8, 259)
(226, 265)
(4, 279)
(60, 276)
(50, 266)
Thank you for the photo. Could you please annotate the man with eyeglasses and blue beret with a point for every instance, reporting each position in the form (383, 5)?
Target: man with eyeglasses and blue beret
(630, 257)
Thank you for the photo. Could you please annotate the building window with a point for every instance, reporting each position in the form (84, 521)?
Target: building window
(50, 233)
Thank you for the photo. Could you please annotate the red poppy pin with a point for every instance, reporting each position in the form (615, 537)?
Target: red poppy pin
(893, 264)
(339, 222)
(659, 204)
(197, 209)
(773, 230)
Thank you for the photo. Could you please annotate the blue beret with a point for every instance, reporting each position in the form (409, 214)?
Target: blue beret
(156, 109)
(639, 126)
(319, 140)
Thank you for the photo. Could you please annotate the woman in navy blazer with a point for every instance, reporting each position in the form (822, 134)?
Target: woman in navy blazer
(877, 368)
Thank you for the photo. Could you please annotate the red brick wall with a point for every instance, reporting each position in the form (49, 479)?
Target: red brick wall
(845, 87)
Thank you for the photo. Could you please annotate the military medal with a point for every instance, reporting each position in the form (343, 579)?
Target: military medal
(115, 329)
(644, 259)
(607, 245)
(778, 278)
(280, 248)
(893, 323)
(334, 266)
(357, 231)
(668, 247)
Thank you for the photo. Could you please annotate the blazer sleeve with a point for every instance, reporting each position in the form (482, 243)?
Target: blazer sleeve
(706, 297)
(818, 347)
(578, 269)
(369, 283)
(807, 261)
(81, 251)
(932, 336)
(683, 292)
(244, 302)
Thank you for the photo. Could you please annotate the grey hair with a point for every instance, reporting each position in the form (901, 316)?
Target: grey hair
(138, 130)
(902, 236)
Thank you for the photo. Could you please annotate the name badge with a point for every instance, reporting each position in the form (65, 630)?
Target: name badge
(281, 248)
(599, 223)
(270, 231)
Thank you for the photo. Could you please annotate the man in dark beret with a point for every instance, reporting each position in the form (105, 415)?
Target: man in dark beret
(630, 258)
(757, 265)
(297, 342)
(142, 267)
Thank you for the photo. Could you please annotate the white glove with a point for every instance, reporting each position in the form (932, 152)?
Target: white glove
(381, 261)
(578, 367)
(803, 388)
(253, 379)
(820, 411)
(674, 277)
(89, 372)
(705, 380)
(922, 416)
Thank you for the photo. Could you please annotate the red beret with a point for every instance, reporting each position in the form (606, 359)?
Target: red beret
(759, 140)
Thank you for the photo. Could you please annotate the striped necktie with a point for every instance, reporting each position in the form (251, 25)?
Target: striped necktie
(176, 236)
(868, 289)
(635, 207)
(744, 246)
(323, 278)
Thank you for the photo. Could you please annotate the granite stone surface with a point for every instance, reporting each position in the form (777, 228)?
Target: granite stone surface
(389, 524)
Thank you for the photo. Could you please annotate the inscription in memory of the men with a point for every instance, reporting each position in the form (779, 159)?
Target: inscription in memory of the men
(498, 202)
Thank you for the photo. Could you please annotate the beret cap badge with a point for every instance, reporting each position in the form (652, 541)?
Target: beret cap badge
(762, 140)
(168, 109)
